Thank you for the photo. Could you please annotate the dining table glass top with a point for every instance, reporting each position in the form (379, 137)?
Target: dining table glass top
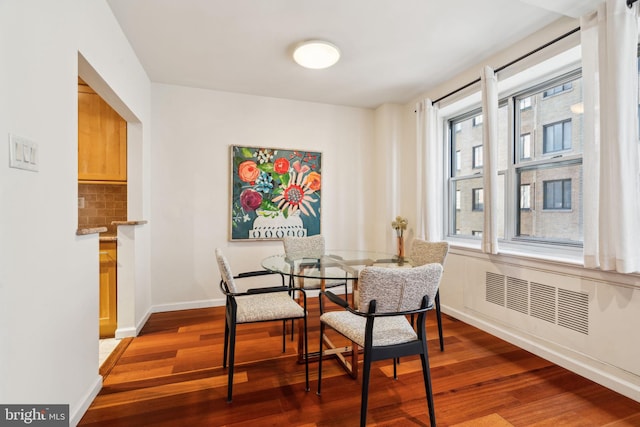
(335, 264)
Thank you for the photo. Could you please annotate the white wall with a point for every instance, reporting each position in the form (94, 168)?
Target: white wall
(606, 354)
(48, 275)
(193, 130)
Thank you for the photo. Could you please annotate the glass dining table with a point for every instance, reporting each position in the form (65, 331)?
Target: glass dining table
(334, 265)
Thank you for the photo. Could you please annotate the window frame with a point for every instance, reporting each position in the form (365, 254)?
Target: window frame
(512, 240)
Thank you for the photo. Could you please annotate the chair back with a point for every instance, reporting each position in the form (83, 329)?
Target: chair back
(423, 252)
(398, 289)
(225, 271)
(304, 247)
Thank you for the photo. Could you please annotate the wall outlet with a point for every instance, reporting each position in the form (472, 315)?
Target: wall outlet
(23, 153)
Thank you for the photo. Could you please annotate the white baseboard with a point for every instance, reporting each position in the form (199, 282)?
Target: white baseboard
(187, 305)
(81, 409)
(605, 375)
(133, 331)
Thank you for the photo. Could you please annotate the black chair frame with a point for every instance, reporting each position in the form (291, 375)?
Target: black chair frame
(372, 354)
(230, 322)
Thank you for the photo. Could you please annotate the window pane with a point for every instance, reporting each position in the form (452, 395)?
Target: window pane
(477, 156)
(465, 219)
(555, 208)
(463, 141)
(551, 125)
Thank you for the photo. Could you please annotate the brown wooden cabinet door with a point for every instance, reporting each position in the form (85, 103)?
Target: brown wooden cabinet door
(102, 139)
(108, 290)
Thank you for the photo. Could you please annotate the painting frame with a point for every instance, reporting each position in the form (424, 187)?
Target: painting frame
(274, 193)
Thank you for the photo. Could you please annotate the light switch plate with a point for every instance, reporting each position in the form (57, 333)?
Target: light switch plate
(23, 153)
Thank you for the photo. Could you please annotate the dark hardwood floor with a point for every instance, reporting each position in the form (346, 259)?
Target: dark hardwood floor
(171, 375)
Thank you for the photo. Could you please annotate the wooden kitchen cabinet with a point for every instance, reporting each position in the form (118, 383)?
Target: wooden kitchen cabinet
(108, 289)
(102, 139)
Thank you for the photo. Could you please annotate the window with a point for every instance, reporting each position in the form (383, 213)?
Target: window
(465, 175)
(477, 195)
(525, 103)
(525, 196)
(557, 89)
(557, 194)
(539, 156)
(458, 127)
(557, 136)
(525, 146)
(477, 156)
(477, 120)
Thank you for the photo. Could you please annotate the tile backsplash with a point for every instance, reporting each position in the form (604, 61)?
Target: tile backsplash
(99, 204)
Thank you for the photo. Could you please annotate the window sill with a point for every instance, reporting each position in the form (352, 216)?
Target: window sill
(572, 256)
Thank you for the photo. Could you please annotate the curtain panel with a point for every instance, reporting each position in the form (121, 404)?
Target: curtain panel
(611, 185)
(430, 168)
(489, 87)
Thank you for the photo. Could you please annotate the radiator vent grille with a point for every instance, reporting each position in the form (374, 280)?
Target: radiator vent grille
(562, 307)
(573, 310)
(543, 302)
(495, 288)
(517, 295)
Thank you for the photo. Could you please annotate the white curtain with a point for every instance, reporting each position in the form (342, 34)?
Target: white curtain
(611, 185)
(430, 173)
(489, 85)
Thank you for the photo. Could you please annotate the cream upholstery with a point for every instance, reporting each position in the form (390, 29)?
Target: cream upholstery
(423, 252)
(381, 327)
(296, 248)
(395, 290)
(257, 305)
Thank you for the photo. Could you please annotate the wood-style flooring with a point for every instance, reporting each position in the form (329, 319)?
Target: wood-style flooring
(171, 375)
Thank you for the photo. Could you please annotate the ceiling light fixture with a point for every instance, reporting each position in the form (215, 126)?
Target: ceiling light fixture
(316, 54)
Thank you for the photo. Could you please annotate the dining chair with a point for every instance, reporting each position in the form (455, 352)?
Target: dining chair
(380, 325)
(257, 305)
(423, 252)
(296, 248)
(312, 247)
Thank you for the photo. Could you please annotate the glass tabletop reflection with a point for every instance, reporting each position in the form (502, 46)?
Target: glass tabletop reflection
(335, 264)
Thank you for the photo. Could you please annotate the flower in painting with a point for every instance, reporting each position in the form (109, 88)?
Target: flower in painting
(297, 195)
(281, 165)
(250, 200)
(264, 156)
(264, 183)
(313, 181)
(248, 171)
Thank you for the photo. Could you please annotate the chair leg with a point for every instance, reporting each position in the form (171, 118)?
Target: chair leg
(306, 354)
(232, 354)
(320, 360)
(284, 335)
(426, 372)
(366, 371)
(396, 360)
(226, 343)
(439, 316)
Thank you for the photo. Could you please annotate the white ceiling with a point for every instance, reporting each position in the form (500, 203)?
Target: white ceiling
(392, 50)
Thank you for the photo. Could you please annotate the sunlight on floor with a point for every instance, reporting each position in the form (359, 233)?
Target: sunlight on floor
(106, 347)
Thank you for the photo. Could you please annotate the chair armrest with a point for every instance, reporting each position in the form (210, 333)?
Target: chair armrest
(254, 274)
(334, 299)
(268, 290)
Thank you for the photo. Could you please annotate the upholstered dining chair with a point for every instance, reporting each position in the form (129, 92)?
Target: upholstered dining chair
(380, 325)
(423, 252)
(296, 248)
(256, 305)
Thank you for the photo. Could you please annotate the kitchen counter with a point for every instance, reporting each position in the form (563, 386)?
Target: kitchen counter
(141, 222)
(91, 230)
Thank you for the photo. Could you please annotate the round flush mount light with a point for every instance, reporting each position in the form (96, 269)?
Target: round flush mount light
(316, 54)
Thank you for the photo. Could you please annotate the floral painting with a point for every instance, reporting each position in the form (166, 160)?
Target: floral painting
(275, 193)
